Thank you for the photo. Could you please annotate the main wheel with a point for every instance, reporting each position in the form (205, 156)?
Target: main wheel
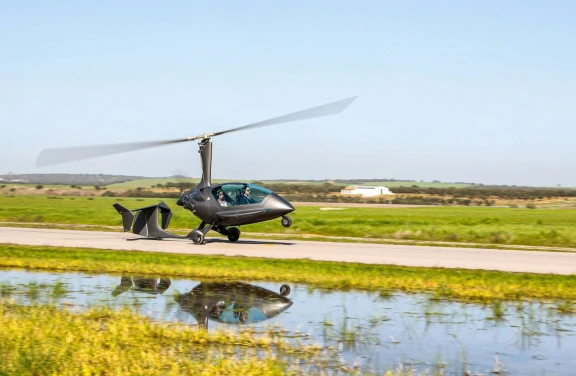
(286, 221)
(233, 234)
(284, 290)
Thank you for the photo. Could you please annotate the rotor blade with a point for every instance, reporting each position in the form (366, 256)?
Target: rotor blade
(54, 156)
(324, 110)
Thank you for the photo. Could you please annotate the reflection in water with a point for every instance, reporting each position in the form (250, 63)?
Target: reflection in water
(368, 329)
(225, 302)
(141, 284)
(233, 303)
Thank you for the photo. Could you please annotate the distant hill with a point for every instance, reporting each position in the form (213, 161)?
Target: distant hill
(66, 179)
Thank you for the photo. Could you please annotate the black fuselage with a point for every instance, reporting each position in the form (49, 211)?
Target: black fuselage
(236, 208)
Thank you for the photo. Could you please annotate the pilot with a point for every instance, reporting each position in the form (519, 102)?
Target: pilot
(221, 199)
(242, 316)
(246, 199)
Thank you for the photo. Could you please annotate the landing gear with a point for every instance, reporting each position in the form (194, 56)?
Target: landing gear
(196, 236)
(286, 221)
(233, 234)
(284, 290)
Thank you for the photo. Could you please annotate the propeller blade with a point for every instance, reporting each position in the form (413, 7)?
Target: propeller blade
(324, 110)
(55, 156)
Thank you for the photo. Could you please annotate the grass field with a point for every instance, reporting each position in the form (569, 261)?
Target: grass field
(44, 340)
(477, 285)
(479, 225)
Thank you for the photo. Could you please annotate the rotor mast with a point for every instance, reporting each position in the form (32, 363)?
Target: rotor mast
(205, 150)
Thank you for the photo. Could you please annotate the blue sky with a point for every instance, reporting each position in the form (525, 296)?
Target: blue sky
(454, 91)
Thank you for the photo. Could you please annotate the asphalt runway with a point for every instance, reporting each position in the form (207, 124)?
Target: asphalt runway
(408, 255)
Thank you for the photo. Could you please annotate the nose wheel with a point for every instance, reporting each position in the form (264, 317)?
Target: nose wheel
(284, 290)
(286, 221)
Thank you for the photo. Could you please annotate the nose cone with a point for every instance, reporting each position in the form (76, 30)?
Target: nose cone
(278, 205)
(274, 308)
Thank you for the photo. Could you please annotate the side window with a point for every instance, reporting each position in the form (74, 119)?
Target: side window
(222, 197)
(252, 194)
(239, 194)
(258, 193)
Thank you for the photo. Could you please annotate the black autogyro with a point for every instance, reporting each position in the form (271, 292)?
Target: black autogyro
(220, 207)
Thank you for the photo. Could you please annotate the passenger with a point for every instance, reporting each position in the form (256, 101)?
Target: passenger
(221, 199)
(246, 199)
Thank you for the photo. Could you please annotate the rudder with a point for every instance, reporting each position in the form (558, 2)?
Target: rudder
(127, 216)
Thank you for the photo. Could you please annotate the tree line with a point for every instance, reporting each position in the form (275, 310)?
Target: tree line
(485, 192)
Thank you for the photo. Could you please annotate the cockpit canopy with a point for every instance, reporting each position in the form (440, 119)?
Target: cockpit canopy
(233, 194)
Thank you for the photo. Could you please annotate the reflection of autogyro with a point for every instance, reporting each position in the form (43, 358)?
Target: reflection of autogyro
(262, 205)
(225, 302)
(233, 303)
(142, 284)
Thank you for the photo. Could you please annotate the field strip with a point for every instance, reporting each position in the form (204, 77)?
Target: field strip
(406, 255)
(289, 236)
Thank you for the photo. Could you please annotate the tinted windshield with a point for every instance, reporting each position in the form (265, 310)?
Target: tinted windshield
(240, 194)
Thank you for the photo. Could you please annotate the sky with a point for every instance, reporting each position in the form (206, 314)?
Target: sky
(464, 91)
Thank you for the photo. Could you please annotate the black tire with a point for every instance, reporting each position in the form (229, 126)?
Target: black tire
(286, 221)
(196, 236)
(198, 239)
(285, 290)
(233, 234)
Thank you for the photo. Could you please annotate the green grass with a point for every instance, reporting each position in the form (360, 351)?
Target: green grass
(461, 284)
(478, 225)
(44, 340)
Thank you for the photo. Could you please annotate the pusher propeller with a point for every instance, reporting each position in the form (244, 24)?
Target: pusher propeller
(60, 155)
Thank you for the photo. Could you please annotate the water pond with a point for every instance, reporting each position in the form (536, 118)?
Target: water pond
(369, 331)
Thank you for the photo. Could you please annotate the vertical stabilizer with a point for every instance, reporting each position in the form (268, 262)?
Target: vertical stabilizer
(145, 221)
(127, 216)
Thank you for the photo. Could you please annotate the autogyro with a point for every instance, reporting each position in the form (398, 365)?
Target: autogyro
(220, 207)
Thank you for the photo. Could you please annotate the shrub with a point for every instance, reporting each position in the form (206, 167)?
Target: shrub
(530, 206)
(108, 194)
(39, 186)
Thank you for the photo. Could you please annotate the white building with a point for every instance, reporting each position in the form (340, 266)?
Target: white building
(366, 191)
